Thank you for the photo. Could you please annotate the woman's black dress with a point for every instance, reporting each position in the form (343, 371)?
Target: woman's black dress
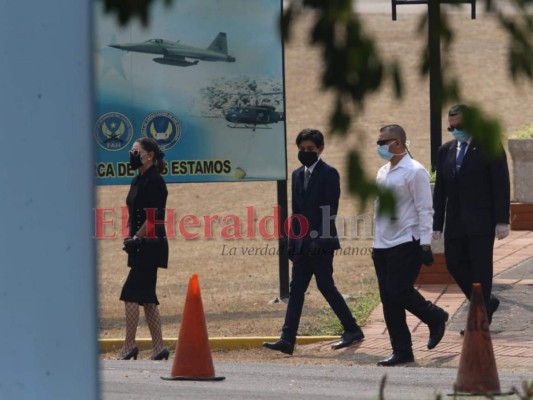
(147, 198)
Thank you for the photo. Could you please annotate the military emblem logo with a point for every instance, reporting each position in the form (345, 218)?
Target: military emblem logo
(113, 131)
(164, 127)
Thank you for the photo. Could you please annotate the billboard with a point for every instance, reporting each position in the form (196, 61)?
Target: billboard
(204, 78)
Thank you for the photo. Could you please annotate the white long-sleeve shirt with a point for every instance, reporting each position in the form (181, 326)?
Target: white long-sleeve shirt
(409, 181)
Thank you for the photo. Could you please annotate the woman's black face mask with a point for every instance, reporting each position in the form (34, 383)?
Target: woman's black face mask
(135, 160)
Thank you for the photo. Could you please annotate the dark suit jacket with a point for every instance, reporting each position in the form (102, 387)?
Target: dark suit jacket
(474, 200)
(318, 205)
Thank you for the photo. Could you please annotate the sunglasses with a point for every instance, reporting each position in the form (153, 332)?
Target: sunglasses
(135, 153)
(452, 128)
(385, 141)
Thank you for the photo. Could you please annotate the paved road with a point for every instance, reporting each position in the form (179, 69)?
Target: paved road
(136, 380)
(514, 316)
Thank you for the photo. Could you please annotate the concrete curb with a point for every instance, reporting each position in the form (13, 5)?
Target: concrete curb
(224, 343)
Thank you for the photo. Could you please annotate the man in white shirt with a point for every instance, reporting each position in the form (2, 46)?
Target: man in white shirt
(402, 243)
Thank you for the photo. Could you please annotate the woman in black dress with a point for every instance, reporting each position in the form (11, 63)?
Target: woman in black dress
(147, 246)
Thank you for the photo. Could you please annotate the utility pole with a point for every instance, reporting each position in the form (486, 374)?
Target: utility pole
(435, 73)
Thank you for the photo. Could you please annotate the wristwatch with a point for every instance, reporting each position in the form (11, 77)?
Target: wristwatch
(425, 247)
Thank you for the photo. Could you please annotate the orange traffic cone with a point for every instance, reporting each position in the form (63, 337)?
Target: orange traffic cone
(477, 374)
(192, 359)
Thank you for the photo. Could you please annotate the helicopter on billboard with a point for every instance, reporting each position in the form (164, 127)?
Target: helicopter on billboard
(253, 117)
(242, 104)
(252, 113)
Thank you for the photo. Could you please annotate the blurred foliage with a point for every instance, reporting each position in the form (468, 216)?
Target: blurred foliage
(449, 84)
(432, 174)
(365, 188)
(354, 67)
(525, 394)
(520, 32)
(527, 391)
(486, 130)
(524, 133)
(382, 384)
(127, 10)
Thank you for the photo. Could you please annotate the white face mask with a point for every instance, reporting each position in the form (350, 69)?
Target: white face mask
(460, 135)
(383, 152)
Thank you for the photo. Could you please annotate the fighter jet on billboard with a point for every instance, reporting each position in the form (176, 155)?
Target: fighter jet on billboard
(175, 53)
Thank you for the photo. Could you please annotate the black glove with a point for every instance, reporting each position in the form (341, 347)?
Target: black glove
(132, 245)
(426, 255)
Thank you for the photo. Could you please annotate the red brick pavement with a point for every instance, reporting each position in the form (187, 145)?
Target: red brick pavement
(512, 353)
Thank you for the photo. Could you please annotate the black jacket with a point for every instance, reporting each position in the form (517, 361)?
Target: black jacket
(474, 200)
(148, 192)
(318, 205)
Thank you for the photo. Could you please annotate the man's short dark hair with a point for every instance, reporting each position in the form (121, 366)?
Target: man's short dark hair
(457, 109)
(314, 135)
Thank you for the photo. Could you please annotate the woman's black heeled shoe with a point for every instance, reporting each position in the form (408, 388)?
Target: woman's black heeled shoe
(163, 355)
(133, 353)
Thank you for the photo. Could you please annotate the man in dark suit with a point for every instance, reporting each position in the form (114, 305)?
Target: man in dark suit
(313, 241)
(472, 195)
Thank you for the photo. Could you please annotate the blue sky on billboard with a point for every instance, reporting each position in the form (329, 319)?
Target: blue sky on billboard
(197, 93)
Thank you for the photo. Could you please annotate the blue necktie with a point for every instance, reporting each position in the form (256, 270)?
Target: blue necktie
(460, 156)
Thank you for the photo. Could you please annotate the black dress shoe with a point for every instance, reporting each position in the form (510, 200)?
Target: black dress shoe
(281, 345)
(162, 355)
(133, 353)
(396, 359)
(436, 331)
(462, 332)
(494, 303)
(347, 338)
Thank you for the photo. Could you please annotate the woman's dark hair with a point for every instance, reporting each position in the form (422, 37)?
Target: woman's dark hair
(150, 145)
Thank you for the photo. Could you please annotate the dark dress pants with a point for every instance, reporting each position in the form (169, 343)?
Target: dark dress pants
(303, 269)
(397, 269)
(469, 260)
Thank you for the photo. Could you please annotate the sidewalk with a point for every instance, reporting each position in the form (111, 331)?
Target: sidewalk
(511, 329)
(512, 325)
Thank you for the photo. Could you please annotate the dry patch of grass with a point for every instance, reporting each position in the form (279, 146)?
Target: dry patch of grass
(362, 305)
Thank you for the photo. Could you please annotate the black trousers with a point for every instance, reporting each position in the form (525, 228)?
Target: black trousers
(469, 259)
(303, 269)
(396, 269)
